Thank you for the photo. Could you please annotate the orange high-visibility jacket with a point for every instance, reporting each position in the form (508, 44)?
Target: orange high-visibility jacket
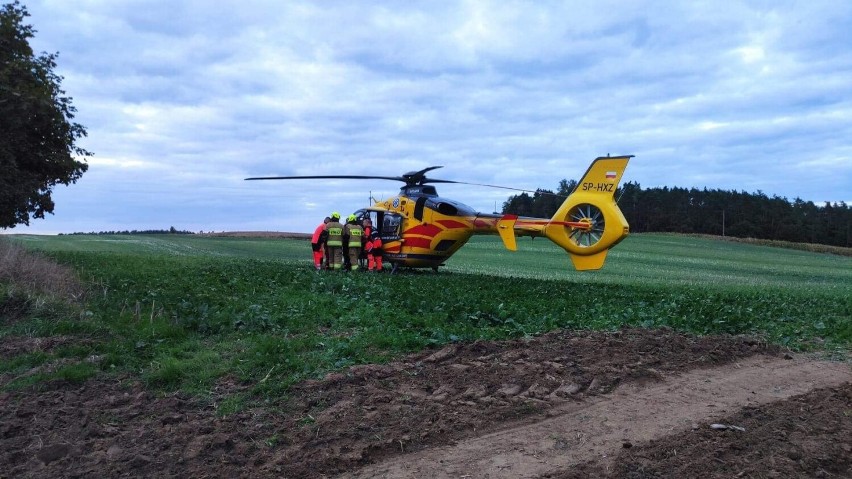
(317, 232)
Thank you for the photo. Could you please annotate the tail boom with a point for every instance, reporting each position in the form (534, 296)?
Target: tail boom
(586, 225)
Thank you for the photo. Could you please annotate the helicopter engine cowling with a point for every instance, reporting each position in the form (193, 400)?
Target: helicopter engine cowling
(449, 207)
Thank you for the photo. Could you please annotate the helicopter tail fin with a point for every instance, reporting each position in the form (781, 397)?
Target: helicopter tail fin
(589, 222)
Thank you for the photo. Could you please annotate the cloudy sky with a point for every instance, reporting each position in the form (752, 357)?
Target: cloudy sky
(182, 100)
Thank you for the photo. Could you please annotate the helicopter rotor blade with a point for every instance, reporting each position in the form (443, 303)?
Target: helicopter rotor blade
(410, 179)
(328, 177)
(541, 192)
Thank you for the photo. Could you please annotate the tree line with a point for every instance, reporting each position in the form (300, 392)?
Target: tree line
(170, 231)
(709, 211)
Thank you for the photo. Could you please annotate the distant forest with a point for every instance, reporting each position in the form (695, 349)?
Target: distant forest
(714, 212)
(170, 231)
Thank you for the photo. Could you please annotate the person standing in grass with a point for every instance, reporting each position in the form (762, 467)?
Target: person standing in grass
(318, 241)
(374, 251)
(354, 233)
(367, 226)
(335, 242)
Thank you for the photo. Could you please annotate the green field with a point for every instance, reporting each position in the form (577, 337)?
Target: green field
(181, 312)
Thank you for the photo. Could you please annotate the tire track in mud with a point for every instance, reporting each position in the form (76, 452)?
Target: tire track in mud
(599, 427)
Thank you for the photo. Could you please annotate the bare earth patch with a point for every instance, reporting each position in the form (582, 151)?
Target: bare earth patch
(809, 435)
(566, 404)
(597, 429)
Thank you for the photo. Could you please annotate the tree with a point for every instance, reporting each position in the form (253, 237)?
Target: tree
(37, 135)
(520, 205)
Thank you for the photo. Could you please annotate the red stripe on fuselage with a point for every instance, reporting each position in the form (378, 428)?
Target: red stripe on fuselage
(423, 230)
(418, 242)
(573, 224)
(484, 223)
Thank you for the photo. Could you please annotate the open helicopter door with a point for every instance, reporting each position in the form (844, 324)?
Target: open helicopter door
(391, 226)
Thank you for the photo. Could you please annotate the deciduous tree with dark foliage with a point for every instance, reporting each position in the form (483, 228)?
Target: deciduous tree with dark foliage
(37, 134)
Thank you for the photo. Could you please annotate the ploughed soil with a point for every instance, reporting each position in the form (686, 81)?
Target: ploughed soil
(632, 403)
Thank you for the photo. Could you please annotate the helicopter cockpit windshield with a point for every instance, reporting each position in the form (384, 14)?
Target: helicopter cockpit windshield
(391, 227)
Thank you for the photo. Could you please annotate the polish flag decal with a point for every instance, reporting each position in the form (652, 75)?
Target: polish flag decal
(610, 175)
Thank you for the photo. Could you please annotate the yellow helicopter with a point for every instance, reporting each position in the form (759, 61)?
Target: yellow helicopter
(419, 229)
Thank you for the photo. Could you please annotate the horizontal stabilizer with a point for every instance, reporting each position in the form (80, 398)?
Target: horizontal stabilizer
(589, 262)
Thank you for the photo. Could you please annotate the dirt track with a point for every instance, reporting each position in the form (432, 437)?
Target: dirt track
(597, 429)
(633, 403)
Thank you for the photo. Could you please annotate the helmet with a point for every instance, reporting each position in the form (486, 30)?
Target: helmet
(335, 216)
(352, 218)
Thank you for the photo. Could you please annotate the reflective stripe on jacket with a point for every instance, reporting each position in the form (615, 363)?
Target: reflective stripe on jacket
(356, 235)
(335, 234)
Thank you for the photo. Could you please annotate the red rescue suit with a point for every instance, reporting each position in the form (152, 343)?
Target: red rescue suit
(374, 251)
(318, 245)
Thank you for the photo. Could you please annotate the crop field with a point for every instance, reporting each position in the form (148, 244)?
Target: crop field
(230, 331)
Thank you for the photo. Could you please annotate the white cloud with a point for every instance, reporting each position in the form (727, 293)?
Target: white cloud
(120, 163)
(182, 101)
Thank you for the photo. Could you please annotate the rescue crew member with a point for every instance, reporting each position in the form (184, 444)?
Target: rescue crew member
(355, 234)
(335, 242)
(374, 253)
(367, 224)
(318, 243)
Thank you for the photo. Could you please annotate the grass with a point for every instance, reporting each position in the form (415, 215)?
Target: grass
(26, 271)
(183, 312)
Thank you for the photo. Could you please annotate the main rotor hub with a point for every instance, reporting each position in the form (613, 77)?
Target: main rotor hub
(413, 178)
